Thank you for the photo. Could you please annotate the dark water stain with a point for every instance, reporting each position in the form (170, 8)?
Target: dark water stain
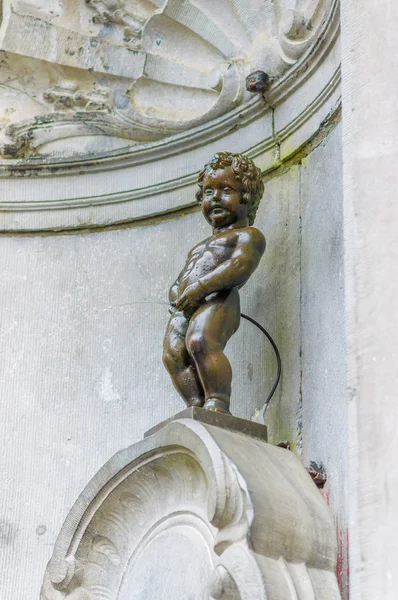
(250, 371)
(8, 533)
(41, 529)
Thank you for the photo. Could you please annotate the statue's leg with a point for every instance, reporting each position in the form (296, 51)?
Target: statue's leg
(179, 363)
(209, 330)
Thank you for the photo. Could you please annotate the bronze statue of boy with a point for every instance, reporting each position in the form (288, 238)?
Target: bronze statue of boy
(205, 306)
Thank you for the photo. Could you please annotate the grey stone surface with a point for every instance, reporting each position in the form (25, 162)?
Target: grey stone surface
(370, 153)
(275, 300)
(81, 373)
(323, 382)
(222, 420)
(301, 282)
(322, 314)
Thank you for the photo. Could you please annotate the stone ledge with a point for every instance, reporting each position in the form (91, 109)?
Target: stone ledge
(221, 420)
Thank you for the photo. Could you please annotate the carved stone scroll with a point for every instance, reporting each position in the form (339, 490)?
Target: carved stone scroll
(66, 95)
(197, 512)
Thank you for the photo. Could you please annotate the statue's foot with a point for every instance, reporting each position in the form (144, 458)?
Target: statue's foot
(217, 405)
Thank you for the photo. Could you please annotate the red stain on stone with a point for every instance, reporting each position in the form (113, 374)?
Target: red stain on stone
(342, 567)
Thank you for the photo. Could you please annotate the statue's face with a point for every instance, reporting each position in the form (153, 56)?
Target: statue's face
(221, 201)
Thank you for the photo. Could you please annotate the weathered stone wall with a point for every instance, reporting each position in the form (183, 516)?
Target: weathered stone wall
(370, 152)
(323, 388)
(303, 272)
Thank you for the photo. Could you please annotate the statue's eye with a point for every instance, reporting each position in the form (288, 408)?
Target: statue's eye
(227, 189)
(208, 191)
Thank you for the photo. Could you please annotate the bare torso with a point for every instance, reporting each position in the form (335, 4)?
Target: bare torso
(207, 256)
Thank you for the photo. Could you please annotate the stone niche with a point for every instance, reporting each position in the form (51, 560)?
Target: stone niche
(197, 512)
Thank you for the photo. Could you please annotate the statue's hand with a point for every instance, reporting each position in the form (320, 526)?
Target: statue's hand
(190, 298)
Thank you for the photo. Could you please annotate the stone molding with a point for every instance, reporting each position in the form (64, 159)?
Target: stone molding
(275, 40)
(53, 209)
(71, 49)
(127, 156)
(247, 510)
(134, 180)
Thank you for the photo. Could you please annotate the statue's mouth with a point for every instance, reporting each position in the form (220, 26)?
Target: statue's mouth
(218, 210)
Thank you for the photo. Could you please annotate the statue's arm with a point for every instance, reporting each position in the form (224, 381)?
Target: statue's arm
(234, 272)
(173, 291)
(242, 264)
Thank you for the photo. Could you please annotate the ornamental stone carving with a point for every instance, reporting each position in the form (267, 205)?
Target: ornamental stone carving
(196, 511)
(167, 66)
(132, 96)
(110, 12)
(67, 95)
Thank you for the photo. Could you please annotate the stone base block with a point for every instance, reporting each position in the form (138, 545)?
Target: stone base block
(222, 420)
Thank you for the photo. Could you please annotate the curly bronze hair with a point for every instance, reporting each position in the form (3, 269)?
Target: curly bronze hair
(246, 173)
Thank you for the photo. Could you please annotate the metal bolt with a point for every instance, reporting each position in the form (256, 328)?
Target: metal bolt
(257, 82)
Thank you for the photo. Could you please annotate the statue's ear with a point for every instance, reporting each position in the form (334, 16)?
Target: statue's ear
(245, 197)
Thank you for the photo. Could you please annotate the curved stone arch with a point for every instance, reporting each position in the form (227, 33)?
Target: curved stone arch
(185, 491)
